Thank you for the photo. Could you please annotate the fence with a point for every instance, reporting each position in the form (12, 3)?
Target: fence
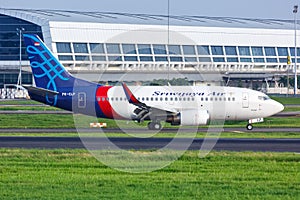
(13, 93)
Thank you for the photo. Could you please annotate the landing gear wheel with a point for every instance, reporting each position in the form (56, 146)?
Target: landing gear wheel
(249, 127)
(154, 126)
(150, 126)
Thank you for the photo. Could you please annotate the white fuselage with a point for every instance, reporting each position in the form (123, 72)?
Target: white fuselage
(221, 102)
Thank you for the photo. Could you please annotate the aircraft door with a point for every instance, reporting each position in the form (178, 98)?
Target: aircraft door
(245, 100)
(81, 100)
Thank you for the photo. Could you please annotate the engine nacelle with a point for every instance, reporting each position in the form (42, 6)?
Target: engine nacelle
(194, 117)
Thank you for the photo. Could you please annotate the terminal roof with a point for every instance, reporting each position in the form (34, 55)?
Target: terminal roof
(130, 18)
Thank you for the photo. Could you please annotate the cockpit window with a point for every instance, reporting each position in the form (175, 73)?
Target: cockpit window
(263, 98)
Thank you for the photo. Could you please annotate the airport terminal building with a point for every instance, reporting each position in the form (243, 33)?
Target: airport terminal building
(141, 46)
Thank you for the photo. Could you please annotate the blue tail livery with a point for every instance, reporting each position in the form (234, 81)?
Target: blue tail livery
(177, 105)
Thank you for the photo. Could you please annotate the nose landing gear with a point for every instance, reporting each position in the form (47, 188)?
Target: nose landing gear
(249, 127)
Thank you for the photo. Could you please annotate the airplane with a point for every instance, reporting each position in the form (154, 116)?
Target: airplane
(177, 105)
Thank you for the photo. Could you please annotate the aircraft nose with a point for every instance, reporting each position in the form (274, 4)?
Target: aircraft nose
(277, 107)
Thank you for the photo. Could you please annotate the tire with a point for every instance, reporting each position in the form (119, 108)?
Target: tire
(249, 127)
(157, 126)
(154, 126)
(150, 126)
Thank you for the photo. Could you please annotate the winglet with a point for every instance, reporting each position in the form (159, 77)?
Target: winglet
(130, 97)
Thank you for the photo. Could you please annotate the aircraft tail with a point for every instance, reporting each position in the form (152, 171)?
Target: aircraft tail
(48, 72)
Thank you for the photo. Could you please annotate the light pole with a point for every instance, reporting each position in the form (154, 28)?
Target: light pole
(295, 11)
(19, 32)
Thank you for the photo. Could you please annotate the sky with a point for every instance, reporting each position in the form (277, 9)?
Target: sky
(268, 9)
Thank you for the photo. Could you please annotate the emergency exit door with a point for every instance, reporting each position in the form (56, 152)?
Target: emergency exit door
(81, 100)
(245, 100)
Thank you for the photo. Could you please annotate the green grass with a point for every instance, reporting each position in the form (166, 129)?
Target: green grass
(75, 174)
(268, 122)
(40, 108)
(67, 121)
(18, 102)
(287, 100)
(36, 121)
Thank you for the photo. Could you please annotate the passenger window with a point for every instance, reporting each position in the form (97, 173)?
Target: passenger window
(161, 99)
(233, 99)
(188, 99)
(147, 98)
(166, 99)
(103, 99)
(156, 99)
(143, 98)
(117, 99)
(151, 99)
(228, 98)
(176, 99)
(112, 99)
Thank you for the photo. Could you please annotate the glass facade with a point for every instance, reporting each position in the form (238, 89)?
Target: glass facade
(217, 50)
(144, 49)
(108, 52)
(129, 49)
(10, 46)
(174, 49)
(97, 48)
(230, 50)
(270, 51)
(244, 51)
(10, 40)
(203, 50)
(159, 49)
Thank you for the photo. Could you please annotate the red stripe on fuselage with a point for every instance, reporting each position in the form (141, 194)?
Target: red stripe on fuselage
(105, 106)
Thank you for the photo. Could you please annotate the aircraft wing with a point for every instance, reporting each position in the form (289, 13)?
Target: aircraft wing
(145, 111)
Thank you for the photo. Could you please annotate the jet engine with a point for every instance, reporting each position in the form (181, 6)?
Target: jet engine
(191, 118)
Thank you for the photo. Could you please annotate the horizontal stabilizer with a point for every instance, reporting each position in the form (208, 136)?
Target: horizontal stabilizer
(40, 91)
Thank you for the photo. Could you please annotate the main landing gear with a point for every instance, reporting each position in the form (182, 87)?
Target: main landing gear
(154, 126)
(249, 127)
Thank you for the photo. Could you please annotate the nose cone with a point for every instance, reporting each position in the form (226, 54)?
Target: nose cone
(276, 107)
(271, 107)
(280, 107)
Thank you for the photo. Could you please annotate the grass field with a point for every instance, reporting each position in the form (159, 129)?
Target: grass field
(18, 102)
(67, 121)
(75, 174)
(287, 100)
